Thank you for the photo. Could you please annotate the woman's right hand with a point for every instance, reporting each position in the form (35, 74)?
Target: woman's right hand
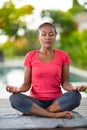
(12, 89)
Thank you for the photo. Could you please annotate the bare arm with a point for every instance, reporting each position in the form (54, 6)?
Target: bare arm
(65, 79)
(26, 84)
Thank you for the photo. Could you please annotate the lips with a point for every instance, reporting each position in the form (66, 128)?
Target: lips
(48, 42)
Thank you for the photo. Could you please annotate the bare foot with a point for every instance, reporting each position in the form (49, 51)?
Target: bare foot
(64, 114)
(23, 114)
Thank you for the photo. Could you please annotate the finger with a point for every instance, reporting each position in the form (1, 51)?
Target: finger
(7, 88)
(83, 89)
(79, 88)
(74, 88)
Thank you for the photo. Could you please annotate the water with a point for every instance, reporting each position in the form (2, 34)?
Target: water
(13, 74)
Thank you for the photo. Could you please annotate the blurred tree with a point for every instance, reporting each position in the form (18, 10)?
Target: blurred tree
(10, 18)
(21, 45)
(76, 7)
(12, 23)
(63, 20)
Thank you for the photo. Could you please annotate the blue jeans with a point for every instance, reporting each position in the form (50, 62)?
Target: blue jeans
(23, 103)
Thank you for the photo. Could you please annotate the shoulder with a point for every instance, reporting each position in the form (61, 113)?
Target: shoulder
(61, 52)
(29, 57)
(63, 56)
(31, 54)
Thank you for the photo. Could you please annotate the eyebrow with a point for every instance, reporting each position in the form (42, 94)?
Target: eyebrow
(49, 32)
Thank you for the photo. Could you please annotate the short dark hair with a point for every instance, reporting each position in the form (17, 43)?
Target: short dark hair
(47, 23)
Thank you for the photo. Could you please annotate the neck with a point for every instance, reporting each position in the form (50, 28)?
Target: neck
(46, 51)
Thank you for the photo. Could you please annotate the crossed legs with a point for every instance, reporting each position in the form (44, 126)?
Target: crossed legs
(59, 108)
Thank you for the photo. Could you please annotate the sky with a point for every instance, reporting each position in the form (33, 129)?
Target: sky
(46, 4)
(43, 4)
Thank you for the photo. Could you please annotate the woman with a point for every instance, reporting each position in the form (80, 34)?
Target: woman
(45, 70)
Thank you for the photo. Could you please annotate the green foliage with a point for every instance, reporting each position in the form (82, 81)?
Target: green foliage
(10, 17)
(21, 45)
(8, 49)
(76, 8)
(75, 44)
(86, 91)
(61, 19)
(11, 21)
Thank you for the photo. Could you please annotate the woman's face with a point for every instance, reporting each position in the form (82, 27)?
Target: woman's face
(47, 36)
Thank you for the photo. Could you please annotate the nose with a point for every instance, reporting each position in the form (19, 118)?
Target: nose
(47, 36)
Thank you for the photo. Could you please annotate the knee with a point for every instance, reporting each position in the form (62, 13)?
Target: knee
(13, 99)
(76, 96)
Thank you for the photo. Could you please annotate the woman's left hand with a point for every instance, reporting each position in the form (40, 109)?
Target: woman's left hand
(80, 88)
